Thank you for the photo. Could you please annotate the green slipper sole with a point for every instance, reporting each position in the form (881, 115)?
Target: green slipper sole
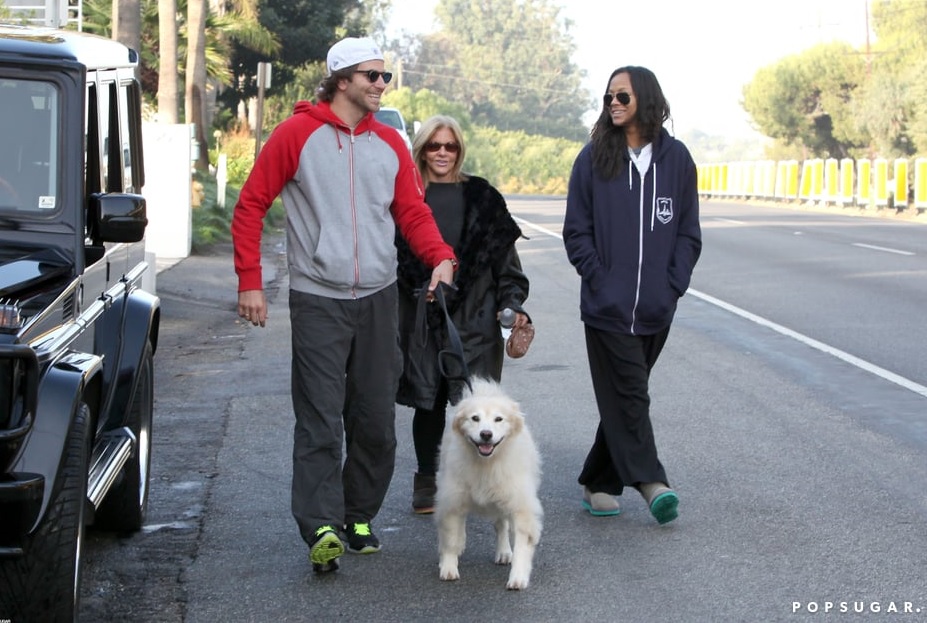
(600, 513)
(665, 507)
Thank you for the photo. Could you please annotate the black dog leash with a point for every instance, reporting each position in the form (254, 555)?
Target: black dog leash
(456, 350)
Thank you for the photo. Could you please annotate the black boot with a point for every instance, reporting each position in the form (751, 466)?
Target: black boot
(424, 488)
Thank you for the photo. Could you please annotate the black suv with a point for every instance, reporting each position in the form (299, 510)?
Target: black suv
(77, 331)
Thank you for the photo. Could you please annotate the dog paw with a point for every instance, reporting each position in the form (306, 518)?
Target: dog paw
(503, 557)
(516, 583)
(448, 574)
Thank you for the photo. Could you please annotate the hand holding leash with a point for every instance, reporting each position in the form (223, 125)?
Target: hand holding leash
(442, 273)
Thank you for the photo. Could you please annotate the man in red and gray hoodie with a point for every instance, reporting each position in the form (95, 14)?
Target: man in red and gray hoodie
(347, 181)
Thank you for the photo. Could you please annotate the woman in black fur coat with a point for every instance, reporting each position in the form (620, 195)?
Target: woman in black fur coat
(474, 219)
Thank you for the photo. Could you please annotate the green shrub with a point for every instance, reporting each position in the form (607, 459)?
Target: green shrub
(519, 163)
(238, 146)
(211, 221)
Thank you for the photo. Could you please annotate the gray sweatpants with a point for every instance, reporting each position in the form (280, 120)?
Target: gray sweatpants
(345, 372)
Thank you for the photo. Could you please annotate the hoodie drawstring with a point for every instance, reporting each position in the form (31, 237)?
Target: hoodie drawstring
(369, 134)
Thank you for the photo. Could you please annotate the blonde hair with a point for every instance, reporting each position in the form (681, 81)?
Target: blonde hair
(424, 135)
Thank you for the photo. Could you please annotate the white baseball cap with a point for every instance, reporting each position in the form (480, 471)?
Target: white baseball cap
(351, 51)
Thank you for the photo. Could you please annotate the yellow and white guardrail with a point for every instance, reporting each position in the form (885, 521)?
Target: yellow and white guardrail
(868, 183)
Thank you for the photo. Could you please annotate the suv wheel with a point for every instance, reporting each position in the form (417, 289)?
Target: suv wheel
(45, 581)
(125, 506)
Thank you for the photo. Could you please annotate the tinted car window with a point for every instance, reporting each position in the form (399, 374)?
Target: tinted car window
(29, 156)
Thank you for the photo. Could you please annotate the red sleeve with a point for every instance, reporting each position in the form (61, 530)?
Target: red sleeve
(275, 166)
(414, 217)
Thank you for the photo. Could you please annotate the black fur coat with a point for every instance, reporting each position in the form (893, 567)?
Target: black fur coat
(489, 278)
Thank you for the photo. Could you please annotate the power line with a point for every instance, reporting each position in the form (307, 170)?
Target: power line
(515, 72)
(525, 87)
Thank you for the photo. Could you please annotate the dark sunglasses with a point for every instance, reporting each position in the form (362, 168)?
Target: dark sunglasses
(373, 75)
(451, 148)
(623, 98)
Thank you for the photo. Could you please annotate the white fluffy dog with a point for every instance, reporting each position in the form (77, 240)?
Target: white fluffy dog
(488, 465)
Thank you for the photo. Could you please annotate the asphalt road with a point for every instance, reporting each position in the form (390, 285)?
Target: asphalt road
(801, 474)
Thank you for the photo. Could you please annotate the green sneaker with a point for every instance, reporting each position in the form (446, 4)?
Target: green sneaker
(325, 550)
(361, 539)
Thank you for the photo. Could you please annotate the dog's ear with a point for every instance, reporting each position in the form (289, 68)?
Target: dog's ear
(460, 416)
(516, 418)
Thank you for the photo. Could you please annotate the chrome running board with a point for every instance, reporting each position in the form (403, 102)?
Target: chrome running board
(110, 455)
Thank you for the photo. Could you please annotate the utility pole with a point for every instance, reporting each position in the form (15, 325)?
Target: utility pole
(868, 49)
(263, 82)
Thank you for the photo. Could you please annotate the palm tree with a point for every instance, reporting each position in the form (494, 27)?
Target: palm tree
(127, 22)
(195, 92)
(167, 69)
(234, 22)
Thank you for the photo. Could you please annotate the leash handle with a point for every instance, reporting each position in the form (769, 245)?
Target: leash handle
(456, 350)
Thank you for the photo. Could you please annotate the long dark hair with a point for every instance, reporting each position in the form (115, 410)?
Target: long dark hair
(609, 142)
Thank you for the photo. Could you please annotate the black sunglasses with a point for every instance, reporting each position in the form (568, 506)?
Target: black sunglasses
(373, 75)
(452, 148)
(623, 98)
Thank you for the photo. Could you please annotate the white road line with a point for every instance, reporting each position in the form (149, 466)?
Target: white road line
(824, 348)
(886, 249)
(804, 339)
(543, 230)
(729, 220)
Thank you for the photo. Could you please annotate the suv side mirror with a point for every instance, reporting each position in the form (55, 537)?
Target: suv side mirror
(116, 217)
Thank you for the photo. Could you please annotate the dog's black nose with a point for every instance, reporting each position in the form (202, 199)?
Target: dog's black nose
(485, 435)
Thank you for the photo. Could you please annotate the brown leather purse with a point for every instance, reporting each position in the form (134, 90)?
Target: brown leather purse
(519, 341)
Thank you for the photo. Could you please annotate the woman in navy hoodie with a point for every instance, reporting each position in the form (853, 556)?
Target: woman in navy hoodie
(632, 232)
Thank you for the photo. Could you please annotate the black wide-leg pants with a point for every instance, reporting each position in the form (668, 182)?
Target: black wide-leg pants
(624, 453)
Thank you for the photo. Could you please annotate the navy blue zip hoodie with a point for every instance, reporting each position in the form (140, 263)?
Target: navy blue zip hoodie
(634, 239)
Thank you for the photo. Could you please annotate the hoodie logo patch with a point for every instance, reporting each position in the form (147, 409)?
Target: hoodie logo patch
(665, 209)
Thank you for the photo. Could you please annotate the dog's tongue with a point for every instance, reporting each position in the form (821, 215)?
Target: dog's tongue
(486, 448)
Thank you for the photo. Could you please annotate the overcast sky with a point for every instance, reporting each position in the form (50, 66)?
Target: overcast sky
(702, 51)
